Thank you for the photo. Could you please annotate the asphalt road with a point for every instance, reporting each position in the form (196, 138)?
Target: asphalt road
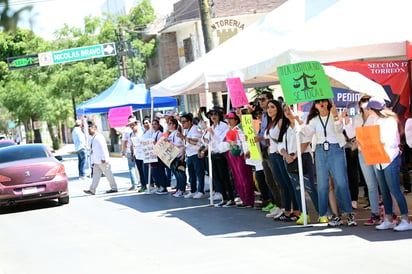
(128, 232)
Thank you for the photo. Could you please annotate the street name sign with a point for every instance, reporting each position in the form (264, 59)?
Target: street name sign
(76, 54)
(22, 62)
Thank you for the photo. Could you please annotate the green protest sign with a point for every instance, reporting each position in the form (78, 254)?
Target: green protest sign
(303, 82)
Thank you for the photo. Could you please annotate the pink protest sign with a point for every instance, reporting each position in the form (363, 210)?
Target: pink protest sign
(236, 92)
(118, 117)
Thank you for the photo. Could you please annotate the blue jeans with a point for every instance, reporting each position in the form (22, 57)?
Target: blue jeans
(196, 171)
(132, 169)
(81, 156)
(368, 172)
(179, 175)
(308, 181)
(159, 173)
(389, 183)
(142, 175)
(282, 178)
(332, 161)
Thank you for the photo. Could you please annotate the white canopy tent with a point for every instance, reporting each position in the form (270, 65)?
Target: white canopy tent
(298, 30)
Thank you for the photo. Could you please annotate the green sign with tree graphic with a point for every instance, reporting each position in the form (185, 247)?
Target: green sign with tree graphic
(303, 82)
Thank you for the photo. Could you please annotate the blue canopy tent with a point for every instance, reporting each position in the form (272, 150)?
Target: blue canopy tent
(124, 93)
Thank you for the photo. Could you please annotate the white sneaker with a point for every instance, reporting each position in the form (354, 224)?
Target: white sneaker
(386, 224)
(153, 190)
(403, 226)
(199, 195)
(217, 196)
(178, 194)
(190, 195)
(274, 212)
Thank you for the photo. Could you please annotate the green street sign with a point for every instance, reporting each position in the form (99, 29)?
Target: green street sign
(22, 62)
(76, 54)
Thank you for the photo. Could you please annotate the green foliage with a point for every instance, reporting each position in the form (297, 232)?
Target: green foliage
(50, 93)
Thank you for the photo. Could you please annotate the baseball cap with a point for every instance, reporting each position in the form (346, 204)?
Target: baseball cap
(78, 122)
(169, 113)
(375, 103)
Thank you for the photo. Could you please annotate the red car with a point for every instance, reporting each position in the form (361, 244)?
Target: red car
(6, 143)
(31, 172)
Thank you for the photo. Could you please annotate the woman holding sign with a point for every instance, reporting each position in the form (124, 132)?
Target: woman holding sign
(388, 173)
(324, 124)
(178, 165)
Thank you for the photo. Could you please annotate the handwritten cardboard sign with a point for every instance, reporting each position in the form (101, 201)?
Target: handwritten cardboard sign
(303, 82)
(248, 129)
(370, 143)
(166, 151)
(236, 92)
(149, 155)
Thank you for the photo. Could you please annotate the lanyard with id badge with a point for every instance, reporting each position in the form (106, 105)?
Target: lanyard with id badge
(326, 143)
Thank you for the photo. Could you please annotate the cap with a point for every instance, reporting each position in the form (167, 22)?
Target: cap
(375, 103)
(78, 122)
(230, 115)
(169, 113)
(131, 120)
(159, 115)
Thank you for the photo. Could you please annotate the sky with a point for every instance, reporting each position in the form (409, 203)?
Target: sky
(50, 15)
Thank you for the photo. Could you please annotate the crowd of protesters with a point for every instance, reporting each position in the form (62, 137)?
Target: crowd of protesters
(330, 154)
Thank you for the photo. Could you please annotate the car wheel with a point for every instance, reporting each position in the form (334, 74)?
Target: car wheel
(63, 200)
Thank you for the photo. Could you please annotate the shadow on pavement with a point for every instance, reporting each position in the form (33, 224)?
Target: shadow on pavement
(236, 222)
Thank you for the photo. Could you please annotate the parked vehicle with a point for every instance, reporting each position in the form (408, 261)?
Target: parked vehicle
(6, 143)
(30, 172)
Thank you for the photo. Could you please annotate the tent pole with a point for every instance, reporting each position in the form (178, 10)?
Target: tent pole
(209, 152)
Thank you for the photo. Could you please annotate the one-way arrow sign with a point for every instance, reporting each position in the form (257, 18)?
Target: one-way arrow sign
(109, 49)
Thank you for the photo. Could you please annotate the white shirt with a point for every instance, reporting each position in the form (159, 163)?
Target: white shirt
(220, 133)
(192, 133)
(273, 137)
(334, 130)
(135, 139)
(388, 128)
(98, 149)
(126, 138)
(173, 139)
(79, 139)
(290, 139)
(408, 132)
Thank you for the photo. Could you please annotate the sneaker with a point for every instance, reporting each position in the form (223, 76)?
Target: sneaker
(354, 204)
(190, 195)
(142, 190)
(403, 226)
(133, 188)
(178, 194)
(323, 219)
(368, 206)
(221, 204)
(274, 213)
(373, 220)
(269, 207)
(83, 178)
(88, 192)
(243, 206)
(162, 191)
(153, 190)
(386, 224)
(198, 195)
(229, 204)
(301, 220)
(217, 196)
(335, 222)
(350, 221)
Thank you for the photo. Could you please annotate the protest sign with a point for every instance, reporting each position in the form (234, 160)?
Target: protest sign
(248, 129)
(237, 92)
(166, 151)
(368, 138)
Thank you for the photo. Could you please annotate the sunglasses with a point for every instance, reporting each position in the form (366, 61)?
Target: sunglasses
(364, 100)
(214, 114)
(319, 101)
(183, 121)
(262, 99)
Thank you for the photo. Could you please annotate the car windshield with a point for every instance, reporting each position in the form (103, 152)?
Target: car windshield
(16, 153)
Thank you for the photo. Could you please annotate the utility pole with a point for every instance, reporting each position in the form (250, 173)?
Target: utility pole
(208, 39)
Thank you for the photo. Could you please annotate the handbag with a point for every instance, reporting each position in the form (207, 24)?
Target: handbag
(293, 166)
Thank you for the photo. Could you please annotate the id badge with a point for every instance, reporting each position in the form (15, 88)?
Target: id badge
(326, 146)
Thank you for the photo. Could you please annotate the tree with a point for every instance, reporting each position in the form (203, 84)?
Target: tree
(8, 18)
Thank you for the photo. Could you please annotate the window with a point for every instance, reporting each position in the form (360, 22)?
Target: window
(187, 44)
